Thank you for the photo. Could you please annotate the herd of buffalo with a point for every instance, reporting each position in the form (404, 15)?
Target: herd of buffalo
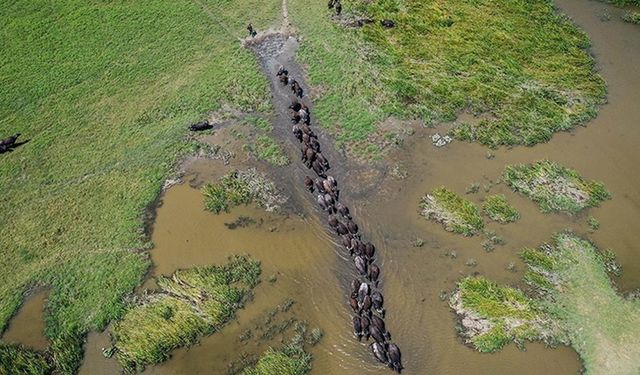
(365, 299)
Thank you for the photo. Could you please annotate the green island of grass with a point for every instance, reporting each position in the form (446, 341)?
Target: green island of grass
(242, 187)
(554, 187)
(576, 304)
(454, 212)
(290, 360)
(190, 304)
(497, 208)
(520, 64)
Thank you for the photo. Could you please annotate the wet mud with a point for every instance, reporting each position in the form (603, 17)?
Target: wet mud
(309, 268)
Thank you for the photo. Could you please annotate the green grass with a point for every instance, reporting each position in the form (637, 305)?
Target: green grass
(518, 61)
(267, 149)
(632, 17)
(190, 304)
(105, 99)
(497, 208)
(456, 213)
(290, 360)
(602, 326)
(505, 314)
(554, 187)
(241, 187)
(19, 360)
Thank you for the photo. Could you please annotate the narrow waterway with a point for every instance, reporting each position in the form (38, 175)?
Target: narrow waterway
(310, 269)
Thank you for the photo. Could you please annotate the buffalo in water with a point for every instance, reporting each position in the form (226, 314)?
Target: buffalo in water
(377, 322)
(365, 323)
(308, 182)
(378, 302)
(297, 132)
(318, 168)
(315, 145)
(295, 106)
(361, 265)
(357, 327)
(333, 222)
(374, 273)
(365, 308)
(341, 229)
(370, 250)
(343, 210)
(395, 361)
(355, 287)
(377, 334)
(354, 305)
(353, 227)
(203, 125)
(363, 291)
(378, 351)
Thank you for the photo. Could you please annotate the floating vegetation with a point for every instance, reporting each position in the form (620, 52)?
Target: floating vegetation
(492, 316)
(554, 187)
(593, 223)
(457, 214)
(497, 208)
(190, 304)
(242, 187)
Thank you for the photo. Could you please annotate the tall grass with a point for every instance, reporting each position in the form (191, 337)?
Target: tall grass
(456, 213)
(16, 359)
(191, 303)
(104, 92)
(497, 208)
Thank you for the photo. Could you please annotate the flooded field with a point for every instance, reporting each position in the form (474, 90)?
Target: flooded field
(297, 251)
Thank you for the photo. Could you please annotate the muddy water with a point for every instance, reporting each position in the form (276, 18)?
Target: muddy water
(309, 269)
(27, 327)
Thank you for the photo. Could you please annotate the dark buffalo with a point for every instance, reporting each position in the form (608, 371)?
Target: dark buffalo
(366, 324)
(354, 304)
(363, 291)
(203, 125)
(395, 357)
(315, 144)
(374, 273)
(319, 186)
(308, 182)
(332, 181)
(341, 229)
(361, 265)
(387, 23)
(379, 352)
(329, 199)
(370, 250)
(333, 222)
(323, 161)
(322, 203)
(355, 287)
(318, 168)
(366, 306)
(357, 327)
(378, 302)
(343, 210)
(377, 334)
(295, 105)
(353, 227)
(377, 322)
(297, 132)
(306, 139)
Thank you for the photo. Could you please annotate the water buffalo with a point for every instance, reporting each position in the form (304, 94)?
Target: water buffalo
(361, 250)
(333, 222)
(363, 291)
(361, 265)
(374, 273)
(308, 182)
(343, 210)
(9, 143)
(327, 186)
(329, 199)
(203, 125)
(309, 155)
(317, 167)
(378, 302)
(306, 139)
(284, 80)
(353, 227)
(341, 229)
(321, 202)
(370, 250)
(376, 334)
(366, 324)
(377, 322)
(282, 71)
(295, 118)
(366, 306)
(395, 358)
(295, 106)
(379, 352)
(323, 160)
(355, 246)
(387, 23)
(355, 287)
(315, 144)
(297, 132)
(346, 242)
(354, 304)
(319, 185)
(332, 181)
(357, 327)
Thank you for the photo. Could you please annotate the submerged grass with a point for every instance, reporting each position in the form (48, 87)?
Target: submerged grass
(456, 213)
(191, 303)
(497, 208)
(632, 17)
(520, 62)
(554, 187)
(104, 102)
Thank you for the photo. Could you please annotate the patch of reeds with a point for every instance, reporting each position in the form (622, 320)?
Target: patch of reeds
(456, 213)
(497, 208)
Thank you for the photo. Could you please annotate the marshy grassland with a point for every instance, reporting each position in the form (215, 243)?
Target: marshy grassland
(17, 359)
(574, 303)
(457, 214)
(555, 187)
(104, 92)
(522, 66)
(190, 304)
(497, 208)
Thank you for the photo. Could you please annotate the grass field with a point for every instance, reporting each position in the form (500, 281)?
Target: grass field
(104, 91)
(517, 62)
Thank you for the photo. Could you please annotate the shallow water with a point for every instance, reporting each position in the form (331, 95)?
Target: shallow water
(312, 271)
(27, 327)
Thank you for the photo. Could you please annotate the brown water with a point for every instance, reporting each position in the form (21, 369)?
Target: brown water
(27, 327)
(312, 271)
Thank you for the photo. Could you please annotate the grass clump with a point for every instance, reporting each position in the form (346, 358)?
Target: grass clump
(190, 304)
(290, 360)
(554, 187)
(242, 187)
(17, 359)
(117, 85)
(632, 17)
(446, 56)
(267, 149)
(456, 213)
(497, 208)
(492, 316)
